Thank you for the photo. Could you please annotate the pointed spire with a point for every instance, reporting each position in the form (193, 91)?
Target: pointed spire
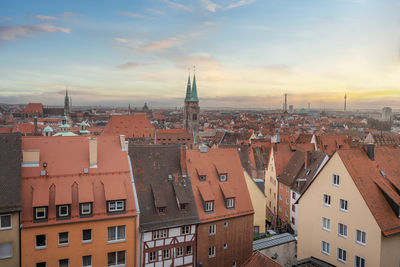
(188, 90)
(194, 89)
(66, 92)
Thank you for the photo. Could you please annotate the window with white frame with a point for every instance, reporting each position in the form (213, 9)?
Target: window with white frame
(226, 224)
(223, 177)
(211, 252)
(185, 230)
(160, 234)
(325, 247)
(335, 179)
(166, 253)
(359, 262)
(341, 255)
(6, 251)
(63, 263)
(152, 256)
(40, 241)
(87, 261)
(326, 224)
(209, 206)
(86, 208)
(230, 203)
(5, 222)
(225, 246)
(40, 213)
(189, 250)
(116, 233)
(63, 211)
(343, 205)
(116, 258)
(212, 229)
(86, 235)
(361, 237)
(179, 251)
(63, 239)
(293, 208)
(342, 230)
(117, 205)
(234, 264)
(327, 200)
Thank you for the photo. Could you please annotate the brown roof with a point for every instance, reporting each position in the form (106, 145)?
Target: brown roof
(258, 259)
(136, 125)
(10, 172)
(24, 128)
(34, 108)
(234, 186)
(378, 182)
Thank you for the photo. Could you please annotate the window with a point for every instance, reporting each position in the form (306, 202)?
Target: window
(212, 229)
(87, 261)
(41, 264)
(234, 264)
(179, 251)
(211, 252)
(209, 206)
(40, 241)
(341, 255)
(189, 250)
(226, 224)
(63, 211)
(160, 234)
(280, 197)
(166, 253)
(286, 213)
(86, 209)
(161, 210)
(222, 177)
(6, 251)
(40, 213)
(153, 256)
(63, 239)
(116, 233)
(335, 179)
(361, 237)
(63, 263)
(118, 205)
(5, 222)
(327, 200)
(325, 247)
(343, 205)
(287, 201)
(183, 206)
(116, 258)
(86, 235)
(280, 186)
(293, 208)
(202, 178)
(359, 262)
(287, 189)
(293, 195)
(326, 224)
(185, 230)
(293, 220)
(342, 230)
(280, 209)
(230, 203)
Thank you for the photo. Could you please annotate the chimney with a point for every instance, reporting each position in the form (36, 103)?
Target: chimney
(93, 152)
(122, 142)
(370, 144)
(203, 148)
(307, 157)
(183, 160)
(35, 123)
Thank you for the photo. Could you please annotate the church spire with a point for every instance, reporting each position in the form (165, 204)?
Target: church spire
(188, 90)
(194, 90)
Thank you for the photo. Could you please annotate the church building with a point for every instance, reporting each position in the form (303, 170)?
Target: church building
(192, 110)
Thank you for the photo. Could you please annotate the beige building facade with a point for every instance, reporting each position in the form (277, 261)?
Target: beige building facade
(9, 239)
(271, 189)
(259, 203)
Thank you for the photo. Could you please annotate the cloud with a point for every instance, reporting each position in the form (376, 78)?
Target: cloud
(131, 65)
(44, 17)
(121, 40)
(6, 18)
(239, 4)
(68, 14)
(160, 45)
(177, 5)
(135, 15)
(12, 33)
(210, 5)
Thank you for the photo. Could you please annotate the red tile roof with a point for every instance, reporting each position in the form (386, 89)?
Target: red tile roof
(24, 128)
(5, 130)
(210, 189)
(258, 259)
(132, 126)
(34, 108)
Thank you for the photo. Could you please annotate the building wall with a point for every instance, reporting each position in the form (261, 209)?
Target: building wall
(11, 236)
(259, 201)
(286, 253)
(238, 235)
(293, 214)
(311, 210)
(190, 109)
(271, 189)
(98, 248)
(283, 207)
(390, 249)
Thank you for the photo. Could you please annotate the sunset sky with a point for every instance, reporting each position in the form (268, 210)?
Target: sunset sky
(247, 53)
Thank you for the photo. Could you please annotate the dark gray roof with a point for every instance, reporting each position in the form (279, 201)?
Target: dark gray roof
(160, 181)
(260, 184)
(10, 172)
(311, 262)
(272, 241)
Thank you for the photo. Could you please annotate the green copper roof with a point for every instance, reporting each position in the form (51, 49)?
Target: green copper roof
(194, 97)
(188, 90)
(48, 129)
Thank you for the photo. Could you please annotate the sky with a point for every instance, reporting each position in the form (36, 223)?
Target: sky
(245, 53)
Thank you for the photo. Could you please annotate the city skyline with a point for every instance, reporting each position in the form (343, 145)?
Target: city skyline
(247, 53)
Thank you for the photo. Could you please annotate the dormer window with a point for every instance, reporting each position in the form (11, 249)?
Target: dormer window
(161, 210)
(86, 209)
(202, 178)
(209, 206)
(223, 177)
(40, 213)
(183, 206)
(63, 211)
(116, 206)
(230, 203)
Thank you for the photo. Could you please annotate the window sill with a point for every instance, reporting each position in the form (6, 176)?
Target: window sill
(342, 261)
(327, 205)
(63, 245)
(41, 248)
(325, 229)
(86, 241)
(116, 241)
(342, 236)
(326, 253)
(5, 228)
(344, 210)
(361, 244)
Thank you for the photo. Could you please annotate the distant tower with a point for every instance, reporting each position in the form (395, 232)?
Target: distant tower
(285, 107)
(345, 102)
(192, 109)
(66, 104)
(309, 106)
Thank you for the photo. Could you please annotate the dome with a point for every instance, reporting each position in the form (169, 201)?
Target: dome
(48, 129)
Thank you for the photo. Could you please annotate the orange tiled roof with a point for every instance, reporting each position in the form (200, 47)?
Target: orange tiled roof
(5, 130)
(259, 259)
(34, 108)
(132, 126)
(235, 184)
(24, 128)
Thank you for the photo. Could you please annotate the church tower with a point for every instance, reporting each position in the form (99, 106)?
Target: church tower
(192, 109)
(66, 104)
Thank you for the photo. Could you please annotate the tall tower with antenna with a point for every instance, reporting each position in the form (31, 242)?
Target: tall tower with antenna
(345, 101)
(285, 106)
